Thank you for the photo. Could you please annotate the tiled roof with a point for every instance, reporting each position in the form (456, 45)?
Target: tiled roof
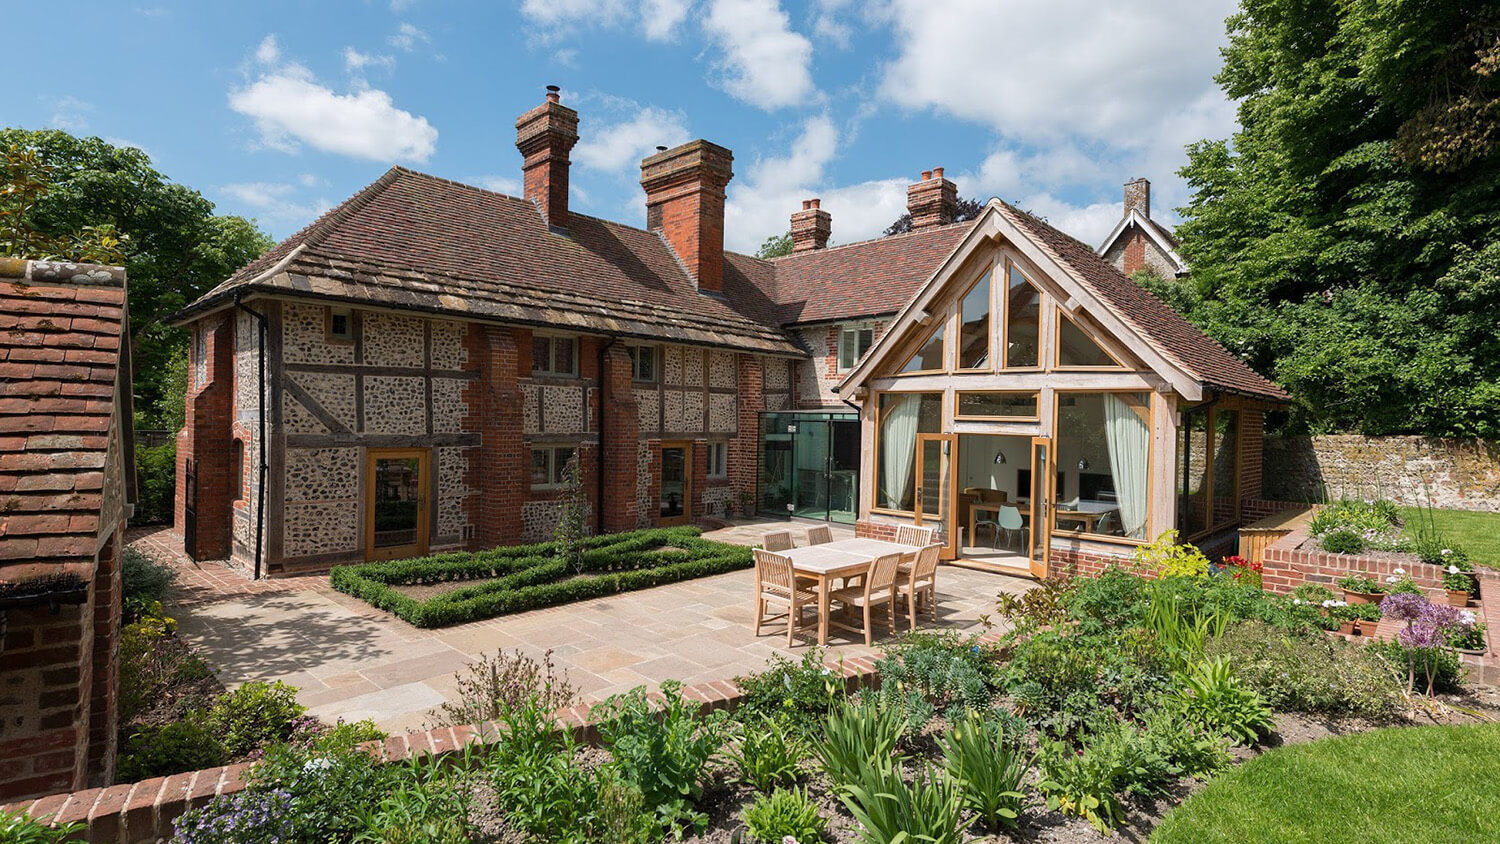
(861, 279)
(413, 240)
(60, 333)
(1163, 327)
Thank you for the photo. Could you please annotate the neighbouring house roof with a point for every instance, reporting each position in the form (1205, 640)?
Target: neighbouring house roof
(63, 352)
(410, 240)
(1165, 240)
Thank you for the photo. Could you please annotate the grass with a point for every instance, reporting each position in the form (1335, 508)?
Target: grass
(1476, 532)
(527, 577)
(1410, 784)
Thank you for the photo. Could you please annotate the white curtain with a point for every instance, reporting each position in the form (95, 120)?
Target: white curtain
(1129, 440)
(898, 441)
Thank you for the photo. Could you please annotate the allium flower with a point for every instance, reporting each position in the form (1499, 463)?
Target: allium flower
(1403, 606)
(1420, 635)
(1440, 616)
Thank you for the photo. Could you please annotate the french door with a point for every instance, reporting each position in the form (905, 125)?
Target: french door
(1039, 545)
(936, 490)
(396, 514)
(675, 504)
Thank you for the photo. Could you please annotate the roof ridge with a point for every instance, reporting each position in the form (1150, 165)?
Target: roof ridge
(881, 239)
(321, 227)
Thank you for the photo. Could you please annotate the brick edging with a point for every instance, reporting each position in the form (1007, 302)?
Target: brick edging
(143, 812)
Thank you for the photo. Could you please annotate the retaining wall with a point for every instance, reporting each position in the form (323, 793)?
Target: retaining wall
(1450, 474)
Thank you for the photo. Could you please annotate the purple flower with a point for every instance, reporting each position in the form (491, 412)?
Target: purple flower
(1403, 606)
(1441, 616)
(1420, 635)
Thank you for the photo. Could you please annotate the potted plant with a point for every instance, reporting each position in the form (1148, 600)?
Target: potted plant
(1360, 589)
(747, 503)
(1367, 616)
(1468, 637)
(1343, 613)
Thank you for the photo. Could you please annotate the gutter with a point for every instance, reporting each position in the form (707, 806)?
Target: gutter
(260, 439)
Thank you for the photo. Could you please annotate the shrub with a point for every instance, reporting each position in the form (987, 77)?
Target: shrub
(330, 783)
(662, 750)
(144, 583)
(17, 828)
(785, 812)
(1211, 697)
(1115, 758)
(247, 817)
(536, 778)
(429, 804)
(767, 753)
(1167, 558)
(856, 737)
(493, 684)
(802, 692)
(156, 482)
(1354, 525)
(989, 768)
(1060, 682)
(1196, 752)
(1312, 673)
(158, 751)
(1108, 602)
(1044, 605)
(947, 670)
(1343, 541)
(1360, 583)
(891, 810)
(254, 715)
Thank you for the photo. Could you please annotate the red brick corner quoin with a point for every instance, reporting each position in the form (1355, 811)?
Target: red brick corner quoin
(143, 812)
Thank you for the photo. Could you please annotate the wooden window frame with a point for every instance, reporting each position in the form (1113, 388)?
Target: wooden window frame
(939, 325)
(958, 415)
(1061, 315)
(1052, 530)
(1042, 300)
(656, 360)
(554, 468)
(958, 310)
(1210, 441)
(552, 354)
(722, 447)
(852, 328)
(875, 468)
(424, 512)
(328, 333)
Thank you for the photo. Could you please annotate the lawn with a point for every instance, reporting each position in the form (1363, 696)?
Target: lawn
(1415, 784)
(1477, 532)
(447, 589)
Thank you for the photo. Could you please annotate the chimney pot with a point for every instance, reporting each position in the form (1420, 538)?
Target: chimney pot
(545, 135)
(685, 204)
(811, 227)
(937, 172)
(552, 94)
(816, 203)
(926, 174)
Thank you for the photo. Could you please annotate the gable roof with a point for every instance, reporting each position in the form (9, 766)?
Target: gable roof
(1181, 344)
(1165, 240)
(410, 240)
(62, 332)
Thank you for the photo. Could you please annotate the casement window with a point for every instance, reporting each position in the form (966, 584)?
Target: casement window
(643, 363)
(548, 465)
(551, 355)
(718, 460)
(854, 341)
(340, 325)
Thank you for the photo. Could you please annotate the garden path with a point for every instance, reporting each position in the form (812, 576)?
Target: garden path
(352, 661)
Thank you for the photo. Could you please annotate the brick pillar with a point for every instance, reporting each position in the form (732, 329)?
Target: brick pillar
(46, 672)
(744, 449)
(104, 698)
(620, 442)
(497, 467)
(206, 440)
(811, 227)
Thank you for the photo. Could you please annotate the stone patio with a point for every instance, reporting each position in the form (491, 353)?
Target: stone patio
(352, 661)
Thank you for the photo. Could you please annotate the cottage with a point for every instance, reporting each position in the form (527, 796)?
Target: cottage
(67, 486)
(414, 371)
(1139, 242)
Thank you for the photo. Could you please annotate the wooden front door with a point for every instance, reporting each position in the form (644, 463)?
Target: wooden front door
(1039, 542)
(396, 501)
(936, 492)
(676, 499)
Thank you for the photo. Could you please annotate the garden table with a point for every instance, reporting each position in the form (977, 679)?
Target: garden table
(842, 558)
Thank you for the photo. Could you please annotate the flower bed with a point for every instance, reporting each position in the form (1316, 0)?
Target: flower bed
(527, 577)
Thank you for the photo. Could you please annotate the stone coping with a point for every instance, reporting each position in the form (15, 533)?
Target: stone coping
(143, 812)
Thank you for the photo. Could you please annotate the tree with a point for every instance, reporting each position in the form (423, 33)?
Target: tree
(775, 246)
(968, 209)
(572, 523)
(1347, 240)
(94, 197)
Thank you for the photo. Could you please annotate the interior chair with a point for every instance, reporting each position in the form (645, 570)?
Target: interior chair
(993, 525)
(1010, 521)
(878, 590)
(776, 582)
(819, 534)
(918, 582)
(777, 540)
(1109, 524)
(913, 535)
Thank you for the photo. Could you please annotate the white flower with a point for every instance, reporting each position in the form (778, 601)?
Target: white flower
(1446, 551)
(1297, 601)
(322, 763)
(1398, 571)
(1467, 617)
(1452, 569)
(1392, 579)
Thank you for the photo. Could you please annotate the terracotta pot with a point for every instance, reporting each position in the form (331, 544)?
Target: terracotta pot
(1368, 628)
(1458, 597)
(1347, 627)
(1363, 597)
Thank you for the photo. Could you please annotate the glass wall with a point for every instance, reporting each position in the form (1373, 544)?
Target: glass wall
(1023, 321)
(809, 465)
(1104, 457)
(902, 417)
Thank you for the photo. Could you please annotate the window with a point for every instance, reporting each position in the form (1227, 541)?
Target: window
(929, 357)
(340, 325)
(997, 405)
(974, 330)
(1075, 348)
(1192, 473)
(1226, 466)
(854, 341)
(718, 460)
(1023, 320)
(549, 464)
(554, 355)
(1106, 439)
(902, 417)
(643, 363)
(237, 471)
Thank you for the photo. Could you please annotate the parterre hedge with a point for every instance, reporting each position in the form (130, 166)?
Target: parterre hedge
(527, 577)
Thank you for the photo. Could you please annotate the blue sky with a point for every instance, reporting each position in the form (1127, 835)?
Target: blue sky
(278, 110)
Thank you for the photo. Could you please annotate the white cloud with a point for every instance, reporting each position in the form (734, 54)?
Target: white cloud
(402, 5)
(269, 52)
(274, 201)
(356, 62)
(553, 19)
(70, 114)
(827, 22)
(765, 63)
(621, 147)
(407, 38)
(660, 18)
(499, 184)
(290, 107)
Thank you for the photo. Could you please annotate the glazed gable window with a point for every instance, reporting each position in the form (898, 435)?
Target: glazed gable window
(554, 355)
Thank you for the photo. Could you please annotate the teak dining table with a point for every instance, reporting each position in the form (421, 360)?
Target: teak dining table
(843, 558)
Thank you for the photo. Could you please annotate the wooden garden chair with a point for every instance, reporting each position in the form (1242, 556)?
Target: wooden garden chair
(878, 589)
(819, 534)
(913, 535)
(777, 540)
(918, 582)
(775, 581)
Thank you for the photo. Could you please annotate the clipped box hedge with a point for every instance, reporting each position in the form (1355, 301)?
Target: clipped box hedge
(527, 577)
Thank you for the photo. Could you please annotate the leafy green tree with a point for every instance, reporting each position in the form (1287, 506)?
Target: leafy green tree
(1347, 239)
(775, 246)
(91, 197)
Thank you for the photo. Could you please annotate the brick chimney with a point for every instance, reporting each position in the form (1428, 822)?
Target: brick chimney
(1138, 197)
(685, 202)
(545, 135)
(932, 201)
(811, 226)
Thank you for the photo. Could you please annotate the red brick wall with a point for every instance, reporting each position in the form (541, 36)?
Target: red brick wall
(621, 441)
(206, 439)
(743, 460)
(1287, 567)
(105, 692)
(497, 469)
(1135, 251)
